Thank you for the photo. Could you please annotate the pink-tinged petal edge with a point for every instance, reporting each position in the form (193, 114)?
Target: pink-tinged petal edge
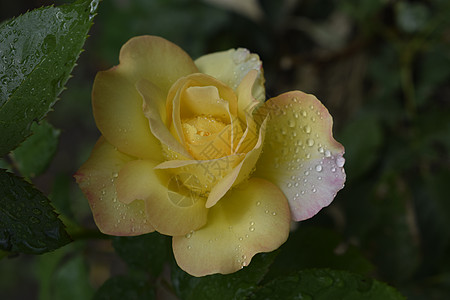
(97, 178)
(300, 154)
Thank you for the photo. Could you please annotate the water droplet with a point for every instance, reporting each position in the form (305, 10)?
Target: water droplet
(241, 238)
(289, 185)
(307, 129)
(304, 114)
(258, 203)
(314, 190)
(251, 228)
(320, 149)
(291, 123)
(274, 213)
(189, 247)
(189, 235)
(306, 173)
(319, 168)
(115, 174)
(310, 142)
(333, 169)
(327, 153)
(340, 161)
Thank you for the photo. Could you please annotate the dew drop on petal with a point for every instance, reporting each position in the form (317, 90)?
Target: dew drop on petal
(340, 161)
(310, 142)
(291, 123)
(318, 168)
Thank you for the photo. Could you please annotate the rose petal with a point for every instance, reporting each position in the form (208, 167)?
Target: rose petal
(171, 208)
(252, 218)
(300, 154)
(156, 60)
(231, 67)
(206, 173)
(118, 113)
(155, 111)
(116, 103)
(239, 173)
(247, 105)
(97, 179)
(178, 107)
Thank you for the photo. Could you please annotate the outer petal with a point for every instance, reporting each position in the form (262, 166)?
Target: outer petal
(300, 154)
(116, 103)
(252, 218)
(171, 208)
(155, 59)
(231, 67)
(97, 179)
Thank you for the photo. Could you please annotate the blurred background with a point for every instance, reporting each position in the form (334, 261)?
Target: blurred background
(381, 67)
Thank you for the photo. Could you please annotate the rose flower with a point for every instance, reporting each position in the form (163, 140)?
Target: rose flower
(191, 149)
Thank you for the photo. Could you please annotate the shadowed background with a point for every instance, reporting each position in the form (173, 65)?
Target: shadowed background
(382, 68)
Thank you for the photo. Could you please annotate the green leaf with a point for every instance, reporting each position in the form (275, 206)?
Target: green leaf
(28, 223)
(38, 51)
(314, 247)
(148, 252)
(232, 286)
(326, 284)
(34, 155)
(71, 280)
(123, 287)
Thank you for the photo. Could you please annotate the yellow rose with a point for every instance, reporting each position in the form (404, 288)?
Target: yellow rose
(191, 150)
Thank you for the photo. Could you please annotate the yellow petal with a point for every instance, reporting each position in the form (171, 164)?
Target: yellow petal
(155, 111)
(97, 179)
(300, 154)
(246, 102)
(239, 173)
(252, 218)
(156, 60)
(247, 105)
(203, 175)
(171, 208)
(116, 103)
(119, 116)
(231, 67)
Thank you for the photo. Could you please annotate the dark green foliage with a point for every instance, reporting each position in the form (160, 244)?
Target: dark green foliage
(34, 155)
(38, 51)
(148, 252)
(123, 287)
(28, 223)
(323, 284)
(232, 286)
